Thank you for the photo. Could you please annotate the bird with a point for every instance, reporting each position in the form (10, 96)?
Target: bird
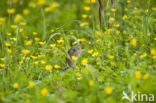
(73, 51)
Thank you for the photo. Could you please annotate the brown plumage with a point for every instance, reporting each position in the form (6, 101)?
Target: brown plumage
(73, 51)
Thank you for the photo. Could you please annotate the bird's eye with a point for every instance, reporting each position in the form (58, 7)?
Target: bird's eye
(74, 50)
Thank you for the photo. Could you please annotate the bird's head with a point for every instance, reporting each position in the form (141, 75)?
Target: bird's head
(74, 51)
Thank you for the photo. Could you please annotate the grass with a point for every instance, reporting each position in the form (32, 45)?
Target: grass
(120, 55)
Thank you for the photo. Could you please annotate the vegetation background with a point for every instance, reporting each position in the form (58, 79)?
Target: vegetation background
(119, 41)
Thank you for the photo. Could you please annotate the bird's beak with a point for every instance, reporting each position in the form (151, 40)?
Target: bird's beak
(80, 51)
(78, 46)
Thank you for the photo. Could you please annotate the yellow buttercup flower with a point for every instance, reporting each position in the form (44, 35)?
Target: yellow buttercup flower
(34, 57)
(87, 1)
(154, 57)
(117, 25)
(13, 39)
(48, 9)
(9, 34)
(153, 8)
(137, 74)
(113, 10)
(143, 55)
(25, 11)
(34, 33)
(25, 51)
(91, 82)
(17, 18)
(57, 66)
(90, 1)
(125, 17)
(11, 11)
(13, 26)
(96, 54)
(29, 42)
(20, 62)
(74, 58)
(110, 56)
(16, 85)
(87, 8)
(41, 43)
(21, 30)
(36, 62)
(54, 5)
(33, 4)
(40, 56)
(43, 62)
(60, 41)
(31, 84)
(81, 40)
(36, 39)
(117, 32)
(27, 58)
(2, 59)
(2, 65)
(2, 99)
(93, 1)
(146, 76)
(128, 1)
(83, 24)
(2, 19)
(108, 90)
(111, 19)
(7, 44)
(90, 51)
(1, 70)
(153, 52)
(84, 61)
(53, 45)
(78, 74)
(41, 2)
(134, 42)
(9, 50)
(110, 30)
(148, 34)
(15, 1)
(84, 16)
(97, 41)
(44, 91)
(48, 67)
(27, 101)
(146, 11)
(23, 23)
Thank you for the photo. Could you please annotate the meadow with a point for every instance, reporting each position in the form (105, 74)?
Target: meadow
(119, 42)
